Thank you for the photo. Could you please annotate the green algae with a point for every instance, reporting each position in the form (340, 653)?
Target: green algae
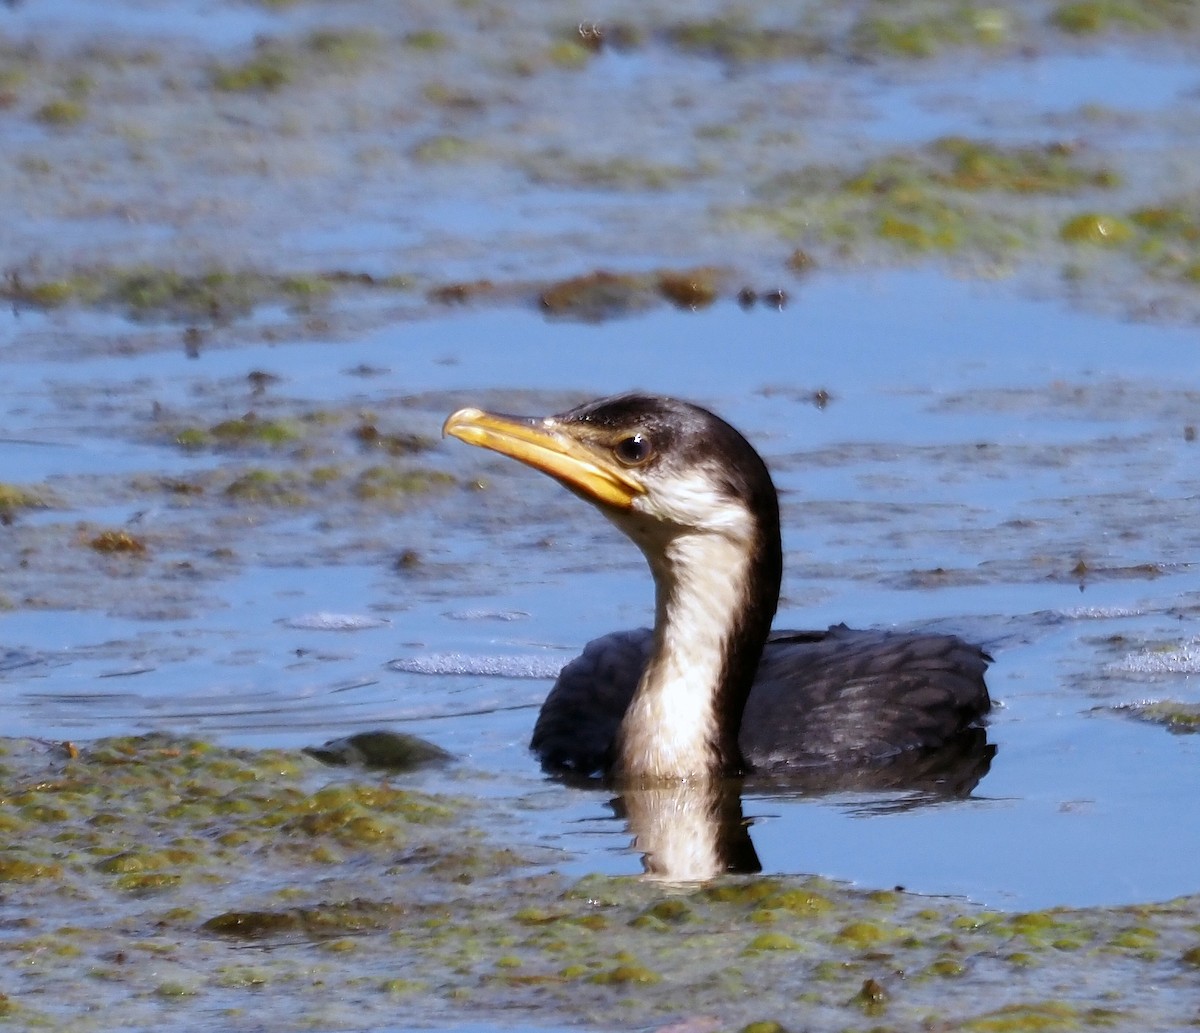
(1042, 1017)
(967, 164)
(289, 479)
(946, 968)
(446, 149)
(14, 497)
(427, 39)
(145, 787)
(569, 54)
(343, 48)
(920, 35)
(20, 869)
(140, 861)
(386, 482)
(829, 40)
(1179, 718)
(327, 921)
(330, 803)
(975, 166)
(772, 942)
(625, 173)
(861, 935)
(626, 973)
(1137, 938)
(668, 912)
(155, 291)
(531, 941)
(940, 198)
(947, 199)
(264, 73)
(268, 487)
(737, 39)
(1097, 228)
(277, 64)
(450, 97)
(149, 293)
(249, 429)
(62, 112)
(370, 436)
(1091, 17)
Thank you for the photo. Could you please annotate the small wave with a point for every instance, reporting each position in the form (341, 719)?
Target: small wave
(485, 666)
(1099, 612)
(487, 615)
(335, 622)
(1185, 660)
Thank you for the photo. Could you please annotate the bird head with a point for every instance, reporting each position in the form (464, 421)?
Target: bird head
(657, 467)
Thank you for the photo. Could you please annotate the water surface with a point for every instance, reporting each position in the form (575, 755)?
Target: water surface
(1012, 470)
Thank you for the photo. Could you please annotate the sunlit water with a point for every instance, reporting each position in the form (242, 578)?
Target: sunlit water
(975, 450)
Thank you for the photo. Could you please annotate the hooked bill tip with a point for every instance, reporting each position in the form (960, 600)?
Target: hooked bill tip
(459, 421)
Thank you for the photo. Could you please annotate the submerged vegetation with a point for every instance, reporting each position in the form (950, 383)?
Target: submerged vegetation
(215, 295)
(1177, 717)
(143, 860)
(955, 195)
(146, 293)
(249, 429)
(15, 497)
(276, 64)
(924, 33)
(969, 200)
(736, 38)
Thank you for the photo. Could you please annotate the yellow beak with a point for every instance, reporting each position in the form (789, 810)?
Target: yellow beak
(547, 446)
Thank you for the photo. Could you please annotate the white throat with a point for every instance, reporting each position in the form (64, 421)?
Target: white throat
(670, 729)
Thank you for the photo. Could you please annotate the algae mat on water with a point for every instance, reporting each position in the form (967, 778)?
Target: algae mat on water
(483, 152)
(165, 883)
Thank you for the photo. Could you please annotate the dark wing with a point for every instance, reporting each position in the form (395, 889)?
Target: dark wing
(822, 699)
(858, 697)
(578, 723)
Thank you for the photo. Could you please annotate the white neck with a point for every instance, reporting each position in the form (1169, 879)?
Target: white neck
(670, 728)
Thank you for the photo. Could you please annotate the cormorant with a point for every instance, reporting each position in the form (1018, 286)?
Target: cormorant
(711, 691)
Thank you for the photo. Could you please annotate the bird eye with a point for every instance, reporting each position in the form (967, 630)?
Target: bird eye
(634, 449)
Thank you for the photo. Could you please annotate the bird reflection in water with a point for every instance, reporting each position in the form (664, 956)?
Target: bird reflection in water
(696, 830)
(689, 831)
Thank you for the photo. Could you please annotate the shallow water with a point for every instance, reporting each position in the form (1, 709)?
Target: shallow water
(976, 450)
(1021, 472)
